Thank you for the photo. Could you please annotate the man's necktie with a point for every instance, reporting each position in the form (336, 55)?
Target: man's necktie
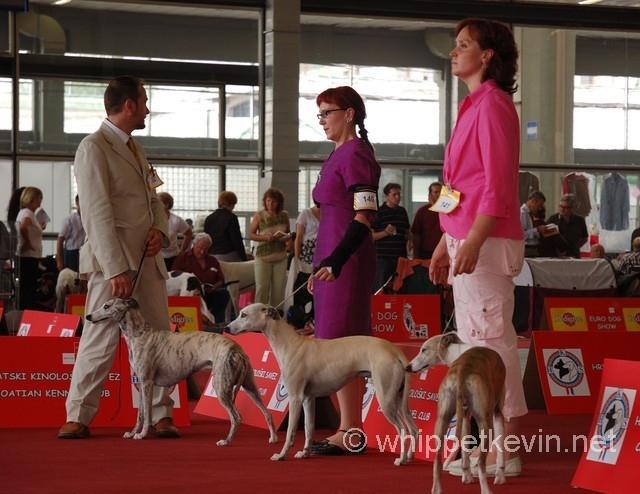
(132, 147)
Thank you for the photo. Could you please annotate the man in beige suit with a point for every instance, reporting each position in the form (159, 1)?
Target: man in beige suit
(126, 226)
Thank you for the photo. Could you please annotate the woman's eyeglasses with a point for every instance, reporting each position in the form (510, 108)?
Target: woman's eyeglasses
(326, 113)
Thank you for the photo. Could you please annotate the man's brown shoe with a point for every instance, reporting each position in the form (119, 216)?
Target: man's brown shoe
(164, 428)
(73, 430)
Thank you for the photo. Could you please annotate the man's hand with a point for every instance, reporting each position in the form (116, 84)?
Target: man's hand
(121, 286)
(154, 242)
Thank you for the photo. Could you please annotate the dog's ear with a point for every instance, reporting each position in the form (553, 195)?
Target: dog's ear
(272, 312)
(449, 339)
(133, 303)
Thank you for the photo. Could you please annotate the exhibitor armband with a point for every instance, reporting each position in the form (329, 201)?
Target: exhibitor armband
(365, 198)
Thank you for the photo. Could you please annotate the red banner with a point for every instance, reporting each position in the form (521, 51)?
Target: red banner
(570, 368)
(266, 373)
(593, 314)
(612, 454)
(36, 323)
(33, 390)
(405, 317)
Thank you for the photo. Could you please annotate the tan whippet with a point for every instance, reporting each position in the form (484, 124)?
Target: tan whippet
(474, 384)
(312, 367)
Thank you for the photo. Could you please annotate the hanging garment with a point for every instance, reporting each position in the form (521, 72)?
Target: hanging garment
(614, 203)
(578, 185)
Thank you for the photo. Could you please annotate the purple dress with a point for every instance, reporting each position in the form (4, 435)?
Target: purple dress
(343, 307)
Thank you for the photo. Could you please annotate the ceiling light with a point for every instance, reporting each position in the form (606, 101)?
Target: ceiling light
(588, 2)
(61, 2)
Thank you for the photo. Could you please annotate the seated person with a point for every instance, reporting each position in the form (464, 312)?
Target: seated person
(597, 252)
(630, 262)
(206, 268)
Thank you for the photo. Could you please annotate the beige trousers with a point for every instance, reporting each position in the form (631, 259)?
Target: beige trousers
(99, 343)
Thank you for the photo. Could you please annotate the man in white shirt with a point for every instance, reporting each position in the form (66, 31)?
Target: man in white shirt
(528, 212)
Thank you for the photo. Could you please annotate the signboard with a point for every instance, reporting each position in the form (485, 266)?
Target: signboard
(593, 314)
(184, 312)
(36, 323)
(570, 368)
(266, 373)
(29, 386)
(423, 404)
(405, 317)
(611, 457)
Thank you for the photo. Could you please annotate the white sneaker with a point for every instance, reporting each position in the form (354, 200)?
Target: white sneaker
(455, 467)
(512, 468)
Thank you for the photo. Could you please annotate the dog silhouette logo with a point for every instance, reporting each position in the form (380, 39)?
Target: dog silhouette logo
(612, 425)
(565, 370)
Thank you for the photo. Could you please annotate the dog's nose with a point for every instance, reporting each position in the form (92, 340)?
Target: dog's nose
(88, 318)
(408, 368)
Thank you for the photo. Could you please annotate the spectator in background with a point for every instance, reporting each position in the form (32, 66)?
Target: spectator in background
(29, 249)
(224, 229)
(528, 214)
(13, 208)
(270, 228)
(307, 225)
(70, 239)
(391, 234)
(176, 225)
(572, 227)
(597, 252)
(551, 243)
(426, 226)
(630, 262)
(206, 268)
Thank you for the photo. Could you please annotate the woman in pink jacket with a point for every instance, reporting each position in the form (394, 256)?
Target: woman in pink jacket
(483, 244)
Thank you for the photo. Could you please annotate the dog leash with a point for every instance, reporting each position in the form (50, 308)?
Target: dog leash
(135, 278)
(290, 295)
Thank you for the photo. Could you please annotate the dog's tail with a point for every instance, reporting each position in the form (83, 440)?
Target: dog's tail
(460, 410)
(241, 365)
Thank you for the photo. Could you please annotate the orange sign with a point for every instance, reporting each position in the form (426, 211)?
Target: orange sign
(405, 317)
(593, 314)
(610, 459)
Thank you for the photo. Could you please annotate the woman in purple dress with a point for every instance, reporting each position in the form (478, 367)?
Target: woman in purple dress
(345, 257)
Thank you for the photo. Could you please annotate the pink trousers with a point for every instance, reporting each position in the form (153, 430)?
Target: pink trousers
(484, 302)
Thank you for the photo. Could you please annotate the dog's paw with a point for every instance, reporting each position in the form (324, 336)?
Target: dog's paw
(277, 457)
(128, 435)
(140, 435)
(273, 439)
(303, 454)
(222, 442)
(467, 477)
(500, 478)
(399, 462)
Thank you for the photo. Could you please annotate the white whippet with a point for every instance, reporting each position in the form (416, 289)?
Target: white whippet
(312, 368)
(474, 384)
(165, 358)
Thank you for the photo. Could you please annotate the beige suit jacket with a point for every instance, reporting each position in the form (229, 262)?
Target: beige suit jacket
(118, 209)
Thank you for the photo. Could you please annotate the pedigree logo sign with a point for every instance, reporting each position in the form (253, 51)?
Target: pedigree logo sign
(184, 312)
(593, 314)
(631, 316)
(568, 319)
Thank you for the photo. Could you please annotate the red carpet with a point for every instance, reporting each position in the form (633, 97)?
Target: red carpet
(35, 461)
